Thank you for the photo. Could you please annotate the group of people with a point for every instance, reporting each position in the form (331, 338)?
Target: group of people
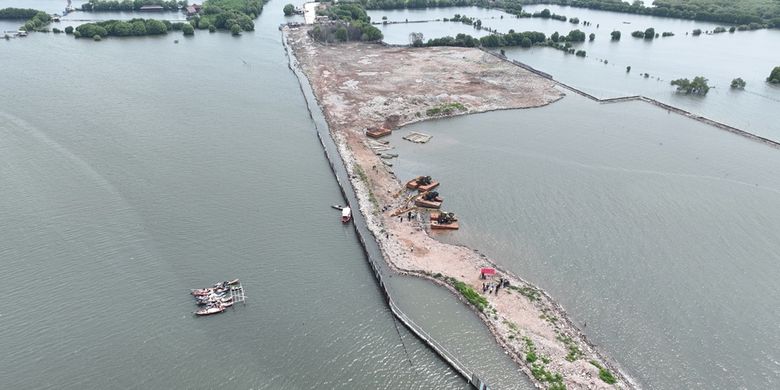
(493, 287)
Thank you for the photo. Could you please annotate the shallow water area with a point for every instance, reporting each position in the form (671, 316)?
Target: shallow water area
(658, 234)
(718, 57)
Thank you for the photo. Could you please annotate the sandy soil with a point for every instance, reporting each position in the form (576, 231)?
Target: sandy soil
(360, 86)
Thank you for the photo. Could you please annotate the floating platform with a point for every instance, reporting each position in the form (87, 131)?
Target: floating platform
(430, 204)
(378, 132)
(413, 185)
(440, 226)
(416, 137)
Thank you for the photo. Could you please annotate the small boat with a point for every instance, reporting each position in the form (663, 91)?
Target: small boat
(346, 214)
(209, 310)
(337, 207)
(233, 282)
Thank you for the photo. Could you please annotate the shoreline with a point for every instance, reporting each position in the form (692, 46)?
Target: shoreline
(541, 323)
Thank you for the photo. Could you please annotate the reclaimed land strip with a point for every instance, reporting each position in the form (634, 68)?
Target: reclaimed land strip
(359, 86)
(621, 99)
(370, 247)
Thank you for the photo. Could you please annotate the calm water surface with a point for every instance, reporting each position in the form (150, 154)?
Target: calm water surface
(135, 169)
(750, 55)
(658, 232)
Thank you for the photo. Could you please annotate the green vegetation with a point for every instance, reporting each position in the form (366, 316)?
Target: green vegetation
(574, 20)
(187, 29)
(725, 11)
(530, 350)
(541, 374)
(130, 5)
(469, 293)
(18, 13)
(289, 9)
(529, 292)
(124, 28)
(697, 87)
(35, 20)
(592, 37)
(615, 35)
(696, 32)
(738, 83)
(445, 109)
(224, 14)
(638, 34)
(765, 13)
(574, 350)
(604, 374)
(580, 53)
(352, 24)
(667, 34)
(650, 33)
(576, 36)
(774, 77)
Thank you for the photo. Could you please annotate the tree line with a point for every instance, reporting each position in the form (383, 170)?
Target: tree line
(127, 28)
(131, 5)
(232, 15)
(766, 12)
(352, 23)
(35, 20)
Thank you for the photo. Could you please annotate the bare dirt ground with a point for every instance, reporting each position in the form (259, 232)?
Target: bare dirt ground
(360, 86)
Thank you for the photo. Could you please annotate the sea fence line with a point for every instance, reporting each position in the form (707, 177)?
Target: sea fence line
(370, 248)
(621, 99)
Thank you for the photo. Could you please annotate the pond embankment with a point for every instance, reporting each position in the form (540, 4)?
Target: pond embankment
(359, 86)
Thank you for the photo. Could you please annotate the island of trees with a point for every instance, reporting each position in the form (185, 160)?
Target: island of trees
(34, 20)
(774, 77)
(698, 86)
(351, 24)
(127, 28)
(131, 5)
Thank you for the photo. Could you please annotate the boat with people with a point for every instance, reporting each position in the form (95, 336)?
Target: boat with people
(346, 214)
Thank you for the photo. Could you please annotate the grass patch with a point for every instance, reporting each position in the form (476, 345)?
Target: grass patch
(543, 375)
(530, 354)
(574, 350)
(363, 177)
(529, 292)
(445, 109)
(604, 374)
(469, 293)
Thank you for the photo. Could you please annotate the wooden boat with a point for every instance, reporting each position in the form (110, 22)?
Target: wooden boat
(434, 203)
(346, 214)
(210, 310)
(378, 132)
(414, 184)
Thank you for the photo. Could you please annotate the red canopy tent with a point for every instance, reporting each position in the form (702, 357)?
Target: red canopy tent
(488, 271)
